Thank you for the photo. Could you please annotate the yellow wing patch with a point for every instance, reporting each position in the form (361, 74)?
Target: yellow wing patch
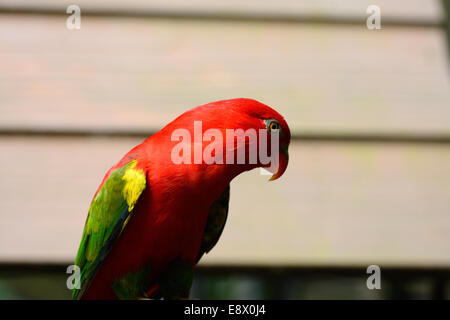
(134, 185)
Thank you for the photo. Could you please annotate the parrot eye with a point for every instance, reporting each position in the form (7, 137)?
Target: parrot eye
(273, 126)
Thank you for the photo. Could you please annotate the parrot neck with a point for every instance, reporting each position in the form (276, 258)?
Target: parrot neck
(225, 173)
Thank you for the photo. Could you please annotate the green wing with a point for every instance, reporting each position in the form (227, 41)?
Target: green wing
(110, 211)
(215, 223)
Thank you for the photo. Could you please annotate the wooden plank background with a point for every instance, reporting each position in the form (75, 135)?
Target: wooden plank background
(340, 203)
(127, 74)
(418, 11)
(337, 204)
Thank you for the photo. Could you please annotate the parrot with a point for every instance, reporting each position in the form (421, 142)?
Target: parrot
(154, 217)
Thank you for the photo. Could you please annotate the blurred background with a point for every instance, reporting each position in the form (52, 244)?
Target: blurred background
(369, 174)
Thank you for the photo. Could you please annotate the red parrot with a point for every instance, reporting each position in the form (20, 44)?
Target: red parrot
(153, 216)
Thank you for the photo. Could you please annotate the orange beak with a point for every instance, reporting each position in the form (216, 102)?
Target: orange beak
(283, 162)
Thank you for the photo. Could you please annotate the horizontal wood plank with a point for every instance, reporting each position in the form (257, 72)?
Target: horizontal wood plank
(137, 75)
(399, 10)
(338, 204)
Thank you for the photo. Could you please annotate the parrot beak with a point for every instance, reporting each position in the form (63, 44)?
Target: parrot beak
(283, 162)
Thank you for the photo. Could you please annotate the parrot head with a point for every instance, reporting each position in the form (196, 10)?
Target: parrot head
(264, 119)
(214, 122)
